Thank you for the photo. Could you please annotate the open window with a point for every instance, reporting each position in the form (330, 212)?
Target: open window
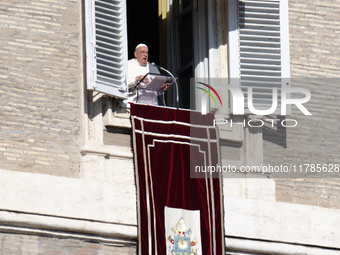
(115, 27)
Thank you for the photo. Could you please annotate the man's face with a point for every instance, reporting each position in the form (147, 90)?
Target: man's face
(142, 54)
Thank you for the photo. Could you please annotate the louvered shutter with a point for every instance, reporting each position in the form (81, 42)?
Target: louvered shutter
(262, 49)
(106, 46)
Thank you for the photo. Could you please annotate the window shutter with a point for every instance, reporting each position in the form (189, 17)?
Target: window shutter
(262, 41)
(106, 46)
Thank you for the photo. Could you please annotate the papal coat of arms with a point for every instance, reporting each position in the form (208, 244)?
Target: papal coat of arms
(182, 242)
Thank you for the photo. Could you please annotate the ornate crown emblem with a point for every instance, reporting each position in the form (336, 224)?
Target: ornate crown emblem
(182, 243)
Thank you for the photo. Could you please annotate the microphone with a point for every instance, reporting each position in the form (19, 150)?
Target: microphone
(173, 77)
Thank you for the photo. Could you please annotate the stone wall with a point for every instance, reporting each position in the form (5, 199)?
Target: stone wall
(40, 86)
(43, 245)
(315, 58)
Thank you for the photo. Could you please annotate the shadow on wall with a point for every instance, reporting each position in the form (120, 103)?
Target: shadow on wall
(276, 134)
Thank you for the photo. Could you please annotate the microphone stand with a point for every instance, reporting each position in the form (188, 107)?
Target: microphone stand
(173, 77)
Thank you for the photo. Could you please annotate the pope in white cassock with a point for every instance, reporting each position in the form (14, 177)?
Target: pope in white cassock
(138, 67)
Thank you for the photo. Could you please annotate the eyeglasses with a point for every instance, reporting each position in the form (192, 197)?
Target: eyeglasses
(143, 52)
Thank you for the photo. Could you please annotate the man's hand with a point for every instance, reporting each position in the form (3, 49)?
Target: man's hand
(165, 86)
(139, 77)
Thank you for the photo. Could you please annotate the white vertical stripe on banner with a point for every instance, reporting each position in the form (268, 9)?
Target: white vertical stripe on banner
(147, 190)
(137, 183)
(149, 173)
(213, 230)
